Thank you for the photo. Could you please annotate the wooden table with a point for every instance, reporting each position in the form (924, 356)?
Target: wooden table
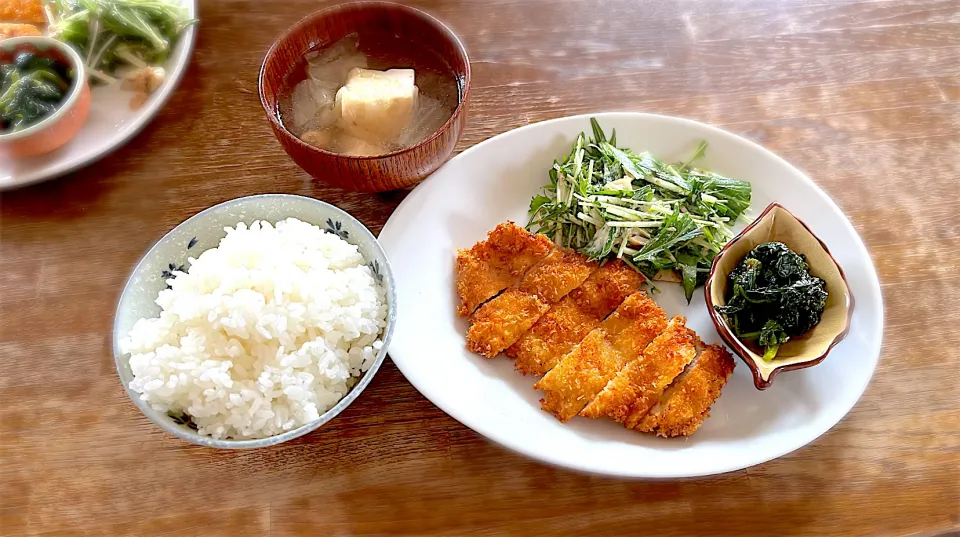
(863, 95)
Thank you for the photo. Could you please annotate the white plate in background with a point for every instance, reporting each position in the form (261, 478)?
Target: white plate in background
(493, 182)
(111, 122)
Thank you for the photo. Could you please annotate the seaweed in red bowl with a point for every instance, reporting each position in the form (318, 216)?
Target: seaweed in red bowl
(33, 85)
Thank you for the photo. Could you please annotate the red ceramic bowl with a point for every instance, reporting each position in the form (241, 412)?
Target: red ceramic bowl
(60, 127)
(382, 172)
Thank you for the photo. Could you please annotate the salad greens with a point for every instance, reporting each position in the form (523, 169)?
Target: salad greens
(772, 297)
(31, 88)
(667, 221)
(112, 33)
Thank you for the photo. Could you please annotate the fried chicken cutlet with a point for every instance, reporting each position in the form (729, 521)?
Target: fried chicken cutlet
(549, 308)
(638, 387)
(559, 273)
(495, 263)
(500, 322)
(570, 320)
(686, 402)
(585, 370)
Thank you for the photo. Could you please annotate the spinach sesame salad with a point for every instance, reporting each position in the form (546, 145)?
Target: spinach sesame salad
(32, 87)
(772, 297)
(667, 221)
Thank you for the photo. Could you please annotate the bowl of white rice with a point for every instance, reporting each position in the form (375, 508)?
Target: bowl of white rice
(255, 321)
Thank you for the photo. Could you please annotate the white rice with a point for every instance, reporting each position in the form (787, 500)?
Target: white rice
(262, 334)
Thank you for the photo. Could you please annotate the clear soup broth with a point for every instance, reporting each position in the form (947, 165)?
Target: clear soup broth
(377, 112)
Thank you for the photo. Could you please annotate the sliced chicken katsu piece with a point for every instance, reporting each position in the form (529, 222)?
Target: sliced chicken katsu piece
(564, 394)
(554, 334)
(571, 319)
(497, 326)
(585, 370)
(495, 263)
(686, 403)
(559, 273)
(634, 325)
(638, 387)
(500, 322)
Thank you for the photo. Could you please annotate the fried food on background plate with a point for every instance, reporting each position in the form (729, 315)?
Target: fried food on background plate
(686, 402)
(638, 387)
(571, 319)
(585, 370)
(26, 11)
(17, 30)
(500, 322)
(495, 263)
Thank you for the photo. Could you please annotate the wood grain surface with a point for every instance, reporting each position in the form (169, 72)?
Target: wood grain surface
(862, 95)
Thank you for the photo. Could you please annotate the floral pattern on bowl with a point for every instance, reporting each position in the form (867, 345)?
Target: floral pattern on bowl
(204, 231)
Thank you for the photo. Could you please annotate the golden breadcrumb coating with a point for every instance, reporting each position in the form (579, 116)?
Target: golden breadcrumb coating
(686, 403)
(17, 30)
(567, 386)
(500, 322)
(559, 273)
(507, 317)
(635, 324)
(584, 372)
(571, 319)
(22, 11)
(550, 308)
(495, 263)
(637, 388)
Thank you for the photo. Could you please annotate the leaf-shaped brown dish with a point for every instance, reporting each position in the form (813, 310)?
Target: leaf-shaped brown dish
(778, 224)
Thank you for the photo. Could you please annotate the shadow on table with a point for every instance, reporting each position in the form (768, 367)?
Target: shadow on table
(395, 458)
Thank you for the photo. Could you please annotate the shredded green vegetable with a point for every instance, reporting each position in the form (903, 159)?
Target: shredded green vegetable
(112, 33)
(668, 221)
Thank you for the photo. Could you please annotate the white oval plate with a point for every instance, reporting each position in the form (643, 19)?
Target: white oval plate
(111, 122)
(493, 182)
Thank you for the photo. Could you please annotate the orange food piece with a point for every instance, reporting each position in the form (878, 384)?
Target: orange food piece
(559, 273)
(566, 388)
(571, 319)
(22, 11)
(500, 322)
(495, 263)
(550, 308)
(584, 372)
(687, 401)
(17, 30)
(638, 387)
